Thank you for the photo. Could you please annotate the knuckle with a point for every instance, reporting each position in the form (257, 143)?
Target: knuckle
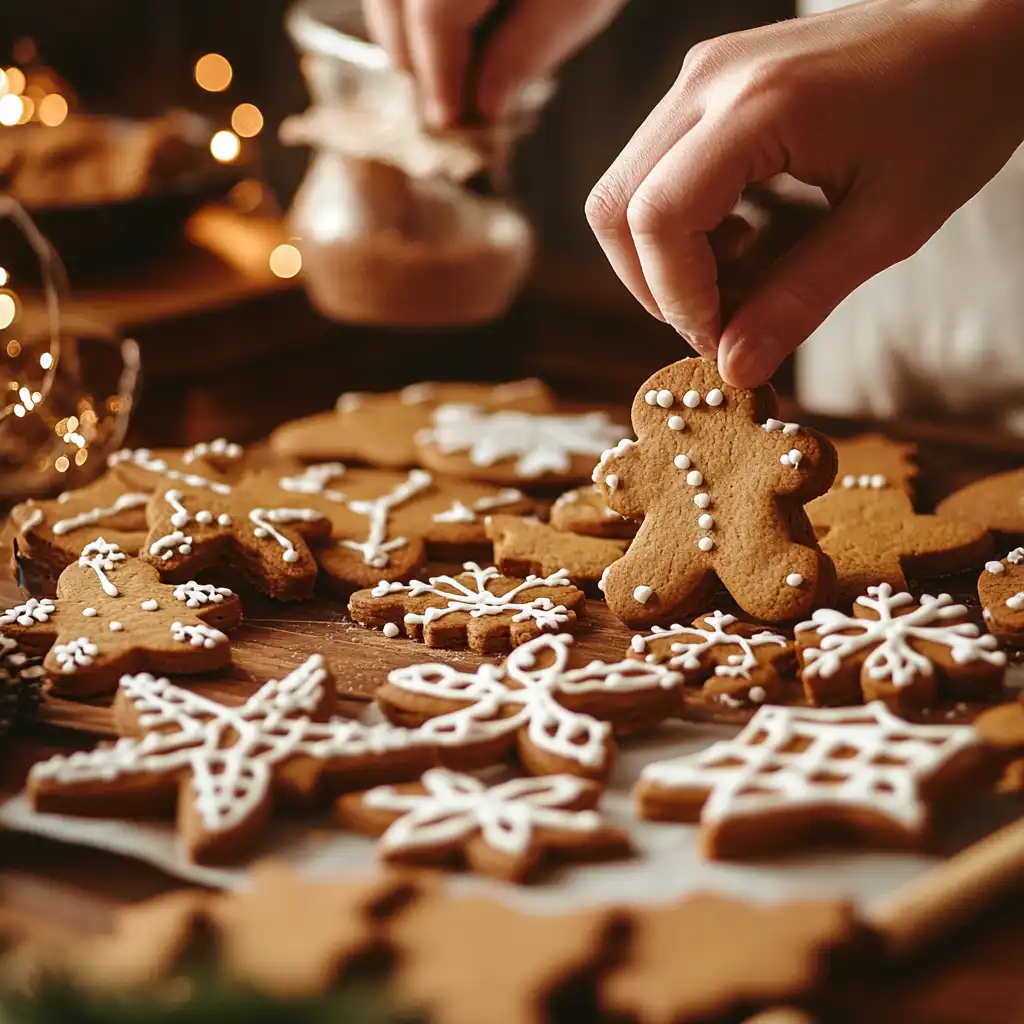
(646, 215)
(605, 207)
(702, 61)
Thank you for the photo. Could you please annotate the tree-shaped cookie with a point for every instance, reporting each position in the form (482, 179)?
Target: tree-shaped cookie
(720, 485)
(113, 615)
(247, 526)
(1001, 592)
(734, 660)
(867, 524)
(479, 608)
(506, 829)
(904, 651)
(378, 429)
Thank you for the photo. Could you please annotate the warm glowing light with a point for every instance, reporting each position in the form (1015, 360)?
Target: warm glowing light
(46, 360)
(285, 261)
(89, 418)
(25, 395)
(72, 423)
(11, 108)
(8, 311)
(61, 464)
(28, 108)
(225, 146)
(213, 72)
(53, 109)
(4, 276)
(80, 456)
(37, 397)
(14, 348)
(19, 411)
(247, 120)
(15, 81)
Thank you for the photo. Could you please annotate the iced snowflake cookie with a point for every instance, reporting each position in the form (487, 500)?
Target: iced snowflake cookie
(796, 775)
(557, 718)
(509, 447)
(113, 615)
(378, 429)
(507, 829)
(584, 511)
(262, 533)
(720, 485)
(908, 653)
(735, 661)
(385, 525)
(867, 524)
(213, 464)
(525, 545)
(1001, 592)
(479, 608)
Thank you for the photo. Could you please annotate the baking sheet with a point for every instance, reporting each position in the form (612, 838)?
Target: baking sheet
(667, 863)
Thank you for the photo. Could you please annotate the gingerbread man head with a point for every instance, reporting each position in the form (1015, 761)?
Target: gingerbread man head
(720, 485)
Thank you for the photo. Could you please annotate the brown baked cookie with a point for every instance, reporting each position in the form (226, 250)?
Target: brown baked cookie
(583, 510)
(213, 464)
(795, 776)
(226, 766)
(51, 533)
(556, 717)
(526, 545)
(735, 662)
(469, 960)
(748, 956)
(378, 429)
(876, 461)
(720, 485)
(385, 525)
(506, 830)
(113, 615)
(1001, 592)
(479, 608)
(510, 447)
(1002, 729)
(996, 502)
(249, 528)
(906, 652)
(21, 677)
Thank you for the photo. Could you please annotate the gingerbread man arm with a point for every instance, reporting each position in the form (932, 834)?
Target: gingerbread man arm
(804, 461)
(616, 475)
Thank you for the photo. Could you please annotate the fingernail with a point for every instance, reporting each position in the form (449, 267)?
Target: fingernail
(703, 343)
(746, 363)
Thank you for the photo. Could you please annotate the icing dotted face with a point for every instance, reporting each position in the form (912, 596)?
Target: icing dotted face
(873, 481)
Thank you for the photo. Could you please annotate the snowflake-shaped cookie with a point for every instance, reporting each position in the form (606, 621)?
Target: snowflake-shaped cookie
(736, 661)
(894, 648)
(557, 718)
(507, 446)
(798, 771)
(480, 608)
(505, 830)
(113, 615)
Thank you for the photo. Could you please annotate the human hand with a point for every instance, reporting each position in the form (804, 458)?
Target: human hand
(899, 110)
(434, 40)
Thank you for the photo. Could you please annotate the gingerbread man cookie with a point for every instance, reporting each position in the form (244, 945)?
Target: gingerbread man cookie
(378, 429)
(904, 651)
(479, 608)
(1001, 592)
(583, 510)
(720, 485)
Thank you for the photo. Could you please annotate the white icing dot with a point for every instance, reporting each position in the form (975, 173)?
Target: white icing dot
(291, 555)
(611, 482)
(691, 399)
(695, 478)
(651, 398)
(259, 532)
(772, 424)
(705, 543)
(681, 462)
(849, 480)
(665, 399)
(784, 459)
(638, 643)
(706, 521)
(166, 555)
(88, 612)
(115, 627)
(878, 481)
(795, 455)
(643, 593)
(715, 397)
(794, 579)
(995, 568)
(223, 519)
(185, 549)
(676, 423)
(790, 429)
(149, 605)
(702, 500)
(391, 630)
(1015, 603)
(756, 695)
(204, 517)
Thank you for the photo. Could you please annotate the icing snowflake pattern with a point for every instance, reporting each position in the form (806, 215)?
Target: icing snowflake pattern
(890, 637)
(32, 611)
(459, 512)
(198, 635)
(75, 654)
(196, 595)
(539, 444)
(800, 757)
(456, 806)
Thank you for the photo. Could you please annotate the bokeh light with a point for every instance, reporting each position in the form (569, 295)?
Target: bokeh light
(53, 109)
(14, 348)
(285, 261)
(11, 108)
(14, 82)
(213, 72)
(46, 360)
(8, 310)
(61, 464)
(225, 146)
(4, 276)
(247, 120)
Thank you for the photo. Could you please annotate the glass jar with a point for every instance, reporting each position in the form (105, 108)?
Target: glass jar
(399, 225)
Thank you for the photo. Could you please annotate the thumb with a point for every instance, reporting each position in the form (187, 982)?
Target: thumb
(861, 237)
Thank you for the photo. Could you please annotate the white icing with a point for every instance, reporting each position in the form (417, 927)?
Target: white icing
(995, 568)
(115, 627)
(456, 807)
(691, 399)
(756, 695)
(199, 635)
(788, 429)
(665, 398)
(651, 397)
(417, 394)
(32, 521)
(263, 520)
(611, 481)
(149, 605)
(219, 447)
(865, 481)
(604, 578)
(785, 759)
(28, 614)
(705, 543)
(702, 500)
(715, 397)
(390, 630)
(349, 401)
(143, 458)
(102, 558)
(695, 478)
(643, 593)
(1015, 603)
(314, 479)
(166, 546)
(706, 521)
(196, 595)
(523, 694)
(89, 612)
(539, 444)
(676, 423)
(890, 637)
(75, 654)
(607, 455)
(794, 579)
(1016, 556)
(204, 517)
(681, 462)
(223, 519)
(461, 513)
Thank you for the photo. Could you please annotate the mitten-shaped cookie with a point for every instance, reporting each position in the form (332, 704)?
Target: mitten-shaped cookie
(720, 485)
